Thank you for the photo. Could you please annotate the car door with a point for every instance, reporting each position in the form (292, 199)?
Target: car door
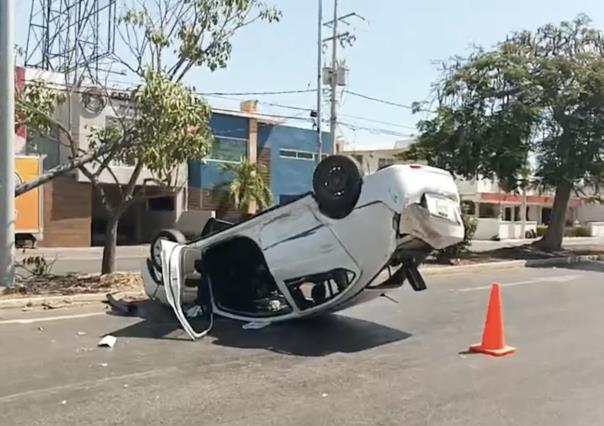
(297, 244)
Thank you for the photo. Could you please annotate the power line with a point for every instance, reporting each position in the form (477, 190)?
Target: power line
(304, 109)
(265, 93)
(371, 98)
(276, 92)
(371, 120)
(273, 104)
(352, 126)
(376, 130)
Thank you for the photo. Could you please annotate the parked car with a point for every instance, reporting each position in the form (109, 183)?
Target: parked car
(349, 241)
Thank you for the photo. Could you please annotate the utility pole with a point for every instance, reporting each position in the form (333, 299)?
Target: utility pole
(7, 143)
(319, 80)
(337, 74)
(333, 119)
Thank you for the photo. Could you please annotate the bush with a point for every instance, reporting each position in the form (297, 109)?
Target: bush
(541, 229)
(577, 231)
(446, 255)
(582, 231)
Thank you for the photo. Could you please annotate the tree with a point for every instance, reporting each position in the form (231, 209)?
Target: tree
(35, 107)
(164, 39)
(537, 97)
(247, 190)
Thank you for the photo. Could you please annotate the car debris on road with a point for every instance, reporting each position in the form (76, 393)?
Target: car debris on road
(107, 341)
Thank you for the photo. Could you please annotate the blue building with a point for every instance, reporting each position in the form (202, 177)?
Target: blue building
(287, 153)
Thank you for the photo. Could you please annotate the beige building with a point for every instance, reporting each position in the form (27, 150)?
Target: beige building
(372, 158)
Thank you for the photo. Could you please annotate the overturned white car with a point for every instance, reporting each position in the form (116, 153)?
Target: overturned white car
(351, 240)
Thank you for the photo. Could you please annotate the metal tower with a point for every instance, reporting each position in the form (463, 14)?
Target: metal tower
(73, 37)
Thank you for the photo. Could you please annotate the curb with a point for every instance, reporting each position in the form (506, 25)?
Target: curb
(511, 264)
(74, 299)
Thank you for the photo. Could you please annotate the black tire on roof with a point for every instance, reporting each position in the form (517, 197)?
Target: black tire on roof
(337, 182)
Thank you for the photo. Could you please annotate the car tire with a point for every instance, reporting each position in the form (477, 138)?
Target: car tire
(337, 182)
(165, 234)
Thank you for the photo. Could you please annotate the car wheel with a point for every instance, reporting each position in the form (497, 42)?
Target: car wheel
(337, 184)
(168, 235)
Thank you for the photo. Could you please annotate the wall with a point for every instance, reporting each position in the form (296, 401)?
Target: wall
(486, 228)
(369, 160)
(475, 186)
(286, 176)
(596, 229)
(290, 176)
(590, 213)
(67, 213)
(206, 173)
(513, 230)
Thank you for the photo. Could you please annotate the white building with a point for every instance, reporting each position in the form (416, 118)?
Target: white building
(372, 158)
(498, 214)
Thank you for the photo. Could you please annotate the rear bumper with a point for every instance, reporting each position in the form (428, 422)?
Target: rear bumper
(435, 231)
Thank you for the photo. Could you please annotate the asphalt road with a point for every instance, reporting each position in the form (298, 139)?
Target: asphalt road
(381, 363)
(130, 258)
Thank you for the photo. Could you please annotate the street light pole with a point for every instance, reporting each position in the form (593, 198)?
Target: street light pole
(319, 79)
(7, 143)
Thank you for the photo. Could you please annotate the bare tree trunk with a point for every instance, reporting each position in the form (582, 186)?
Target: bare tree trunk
(552, 240)
(108, 265)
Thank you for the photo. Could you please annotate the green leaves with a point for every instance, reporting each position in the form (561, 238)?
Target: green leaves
(171, 123)
(537, 95)
(247, 186)
(35, 105)
(197, 32)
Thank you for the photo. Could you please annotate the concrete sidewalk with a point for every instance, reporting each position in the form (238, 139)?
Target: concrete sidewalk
(137, 251)
(479, 246)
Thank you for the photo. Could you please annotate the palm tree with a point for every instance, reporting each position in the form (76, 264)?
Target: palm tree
(247, 191)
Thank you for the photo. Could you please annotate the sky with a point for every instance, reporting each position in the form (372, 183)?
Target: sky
(394, 57)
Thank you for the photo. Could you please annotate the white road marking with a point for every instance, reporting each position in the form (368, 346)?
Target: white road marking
(55, 318)
(539, 280)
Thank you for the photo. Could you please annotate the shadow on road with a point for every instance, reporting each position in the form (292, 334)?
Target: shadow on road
(310, 337)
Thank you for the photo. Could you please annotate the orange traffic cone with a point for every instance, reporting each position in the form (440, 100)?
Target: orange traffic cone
(493, 337)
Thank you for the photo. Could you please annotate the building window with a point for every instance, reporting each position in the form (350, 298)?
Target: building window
(161, 204)
(518, 211)
(228, 150)
(508, 214)
(486, 210)
(546, 214)
(286, 153)
(306, 156)
(299, 155)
